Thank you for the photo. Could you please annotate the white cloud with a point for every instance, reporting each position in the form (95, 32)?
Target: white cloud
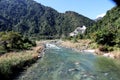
(101, 15)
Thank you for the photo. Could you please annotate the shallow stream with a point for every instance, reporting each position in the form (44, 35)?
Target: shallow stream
(61, 63)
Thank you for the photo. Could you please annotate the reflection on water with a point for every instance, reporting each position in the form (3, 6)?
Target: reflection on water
(66, 64)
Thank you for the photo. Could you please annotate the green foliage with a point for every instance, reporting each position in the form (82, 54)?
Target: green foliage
(107, 30)
(106, 48)
(105, 37)
(93, 45)
(27, 46)
(117, 39)
(2, 50)
(74, 39)
(33, 19)
(112, 18)
(11, 41)
(80, 36)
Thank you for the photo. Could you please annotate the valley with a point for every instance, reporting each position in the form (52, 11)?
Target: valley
(39, 43)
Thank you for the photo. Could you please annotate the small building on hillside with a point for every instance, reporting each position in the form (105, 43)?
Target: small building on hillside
(78, 30)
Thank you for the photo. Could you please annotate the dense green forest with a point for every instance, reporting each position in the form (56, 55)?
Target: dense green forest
(107, 30)
(33, 19)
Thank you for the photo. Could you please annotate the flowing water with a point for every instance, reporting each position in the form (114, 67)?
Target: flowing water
(61, 63)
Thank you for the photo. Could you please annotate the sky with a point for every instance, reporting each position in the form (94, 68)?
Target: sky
(89, 8)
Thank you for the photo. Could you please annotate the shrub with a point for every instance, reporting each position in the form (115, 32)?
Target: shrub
(27, 46)
(105, 38)
(33, 43)
(80, 36)
(2, 50)
(12, 41)
(93, 45)
(74, 39)
(105, 48)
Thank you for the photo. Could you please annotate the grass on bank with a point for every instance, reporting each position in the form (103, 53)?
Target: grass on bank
(81, 44)
(12, 63)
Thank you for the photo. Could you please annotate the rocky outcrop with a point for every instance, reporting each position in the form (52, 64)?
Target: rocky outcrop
(78, 30)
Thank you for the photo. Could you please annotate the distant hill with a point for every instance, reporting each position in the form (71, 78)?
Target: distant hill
(97, 19)
(34, 19)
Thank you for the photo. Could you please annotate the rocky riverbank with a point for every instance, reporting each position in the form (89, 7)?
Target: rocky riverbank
(88, 46)
(85, 45)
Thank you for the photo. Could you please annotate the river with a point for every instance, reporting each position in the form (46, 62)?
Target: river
(59, 63)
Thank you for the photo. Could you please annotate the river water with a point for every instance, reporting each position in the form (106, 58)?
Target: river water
(61, 63)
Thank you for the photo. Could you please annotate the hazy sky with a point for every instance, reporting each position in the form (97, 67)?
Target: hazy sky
(88, 8)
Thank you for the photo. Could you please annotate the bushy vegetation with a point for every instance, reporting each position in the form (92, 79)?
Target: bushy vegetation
(35, 20)
(13, 41)
(106, 36)
(18, 54)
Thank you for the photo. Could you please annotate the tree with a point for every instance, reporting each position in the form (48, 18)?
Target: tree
(14, 41)
(105, 36)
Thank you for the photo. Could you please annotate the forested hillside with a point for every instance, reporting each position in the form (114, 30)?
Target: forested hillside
(33, 19)
(112, 18)
(107, 30)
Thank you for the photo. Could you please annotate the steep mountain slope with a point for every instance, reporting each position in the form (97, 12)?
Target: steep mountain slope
(33, 19)
(111, 19)
(4, 24)
(107, 30)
